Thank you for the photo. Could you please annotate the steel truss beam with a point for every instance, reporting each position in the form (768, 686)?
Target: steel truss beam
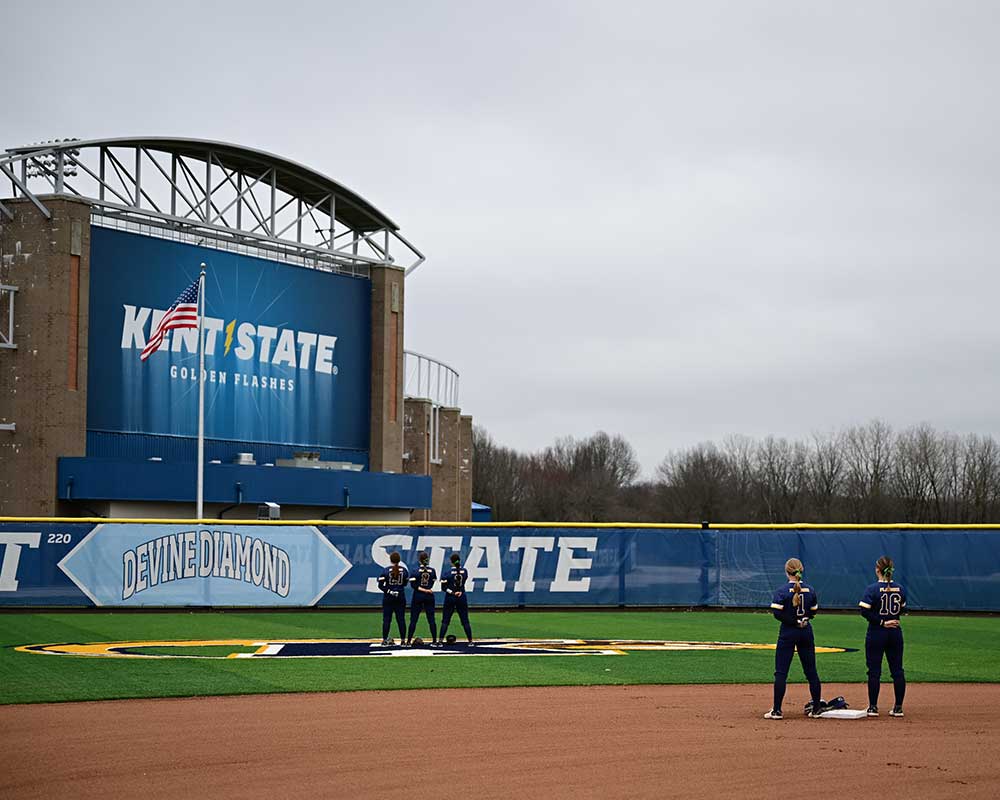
(279, 207)
(24, 189)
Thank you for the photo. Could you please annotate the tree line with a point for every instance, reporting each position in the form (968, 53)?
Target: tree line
(862, 474)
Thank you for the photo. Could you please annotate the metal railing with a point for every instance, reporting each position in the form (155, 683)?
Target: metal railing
(433, 380)
(430, 379)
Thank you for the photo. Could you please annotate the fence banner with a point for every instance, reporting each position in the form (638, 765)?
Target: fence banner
(953, 569)
(125, 564)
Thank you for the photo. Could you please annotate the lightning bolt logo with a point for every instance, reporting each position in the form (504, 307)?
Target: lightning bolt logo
(229, 336)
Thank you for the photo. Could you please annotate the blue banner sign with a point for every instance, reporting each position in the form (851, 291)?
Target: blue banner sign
(225, 564)
(287, 349)
(178, 565)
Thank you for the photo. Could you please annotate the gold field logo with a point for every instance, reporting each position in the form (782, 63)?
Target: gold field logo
(373, 648)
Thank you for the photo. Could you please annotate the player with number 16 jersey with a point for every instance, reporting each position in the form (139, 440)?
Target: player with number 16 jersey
(881, 605)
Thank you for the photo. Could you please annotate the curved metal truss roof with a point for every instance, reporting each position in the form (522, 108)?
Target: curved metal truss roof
(223, 194)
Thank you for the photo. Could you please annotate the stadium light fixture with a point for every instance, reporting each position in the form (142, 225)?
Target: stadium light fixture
(44, 165)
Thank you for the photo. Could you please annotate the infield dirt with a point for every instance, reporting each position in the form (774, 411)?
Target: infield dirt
(572, 742)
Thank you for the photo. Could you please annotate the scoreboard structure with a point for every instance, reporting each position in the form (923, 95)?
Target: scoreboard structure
(305, 371)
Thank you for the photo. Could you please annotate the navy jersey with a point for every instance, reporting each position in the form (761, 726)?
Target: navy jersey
(390, 583)
(882, 601)
(797, 616)
(455, 580)
(423, 578)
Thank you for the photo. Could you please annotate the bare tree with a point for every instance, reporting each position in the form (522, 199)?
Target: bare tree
(914, 465)
(981, 479)
(601, 467)
(864, 474)
(781, 470)
(497, 476)
(739, 453)
(825, 480)
(696, 483)
(868, 457)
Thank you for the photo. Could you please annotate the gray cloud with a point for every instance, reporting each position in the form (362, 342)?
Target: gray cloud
(670, 220)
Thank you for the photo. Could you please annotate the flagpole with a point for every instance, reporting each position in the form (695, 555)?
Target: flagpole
(201, 394)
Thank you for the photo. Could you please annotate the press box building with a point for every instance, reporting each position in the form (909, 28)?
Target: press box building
(312, 402)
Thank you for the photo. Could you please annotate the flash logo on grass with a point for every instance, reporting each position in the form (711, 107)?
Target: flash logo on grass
(372, 648)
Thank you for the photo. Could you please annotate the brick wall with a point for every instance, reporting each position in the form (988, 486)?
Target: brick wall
(386, 437)
(43, 383)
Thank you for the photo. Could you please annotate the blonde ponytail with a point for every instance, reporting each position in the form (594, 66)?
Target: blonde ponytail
(885, 568)
(793, 568)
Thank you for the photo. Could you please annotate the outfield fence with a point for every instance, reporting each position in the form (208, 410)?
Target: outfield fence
(172, 563)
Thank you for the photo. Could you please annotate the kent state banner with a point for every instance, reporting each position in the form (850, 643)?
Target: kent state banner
(287, 349)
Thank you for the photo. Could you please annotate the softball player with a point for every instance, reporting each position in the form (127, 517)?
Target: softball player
(423, 598)
(794, 604)
(881, 605)
(455, 597)
(392, 582)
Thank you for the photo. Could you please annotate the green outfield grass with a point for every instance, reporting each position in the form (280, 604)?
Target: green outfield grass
(938, 648)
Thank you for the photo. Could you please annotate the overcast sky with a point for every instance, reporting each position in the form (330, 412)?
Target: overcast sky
(672, 221)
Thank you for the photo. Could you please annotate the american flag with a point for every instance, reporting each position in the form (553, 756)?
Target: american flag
(182, 314)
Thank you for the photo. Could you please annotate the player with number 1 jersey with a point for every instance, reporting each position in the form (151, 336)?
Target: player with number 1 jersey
(881, 605)
(794, 605)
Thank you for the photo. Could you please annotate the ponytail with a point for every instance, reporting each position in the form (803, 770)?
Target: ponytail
(885, 568)
(793, 568)
(394, 558)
